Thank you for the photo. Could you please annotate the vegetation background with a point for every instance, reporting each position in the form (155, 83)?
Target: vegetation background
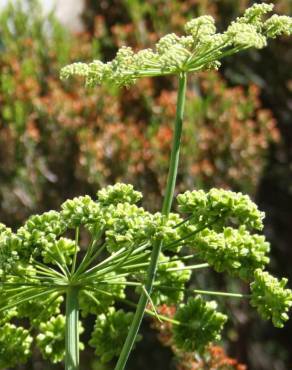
(58, 140)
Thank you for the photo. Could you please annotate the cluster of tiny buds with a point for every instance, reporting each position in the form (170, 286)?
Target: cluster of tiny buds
(218, 231)
(201, 49)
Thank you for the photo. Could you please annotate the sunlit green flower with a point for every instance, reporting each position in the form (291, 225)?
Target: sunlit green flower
(201, 49)
(271, 298)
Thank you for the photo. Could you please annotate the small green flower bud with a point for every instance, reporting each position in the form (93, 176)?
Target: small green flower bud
(65, 247)
(39, 231)
(166, 230)
(127, 226)
(79, 69)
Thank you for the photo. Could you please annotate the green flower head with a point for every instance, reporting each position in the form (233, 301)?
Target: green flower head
(200, 324)
(51, 338)
(110, 332)
(15, 345)
(201, 49)
(271, 298)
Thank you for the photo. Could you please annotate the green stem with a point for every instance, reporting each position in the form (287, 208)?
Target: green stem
(190, 267)
(167, 202)
(86, 262)
(222, 294)
(143, 264)
(97, 272)
(71, 334)
(174, 157)
(207, 292)
(132, 304)
(178, 241)
(75, 251)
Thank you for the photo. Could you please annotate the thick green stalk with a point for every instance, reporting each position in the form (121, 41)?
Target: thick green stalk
(174, 157)
(72, 335)
(168, 197)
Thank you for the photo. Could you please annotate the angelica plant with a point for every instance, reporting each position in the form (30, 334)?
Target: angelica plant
(92, 252)
(46, 262)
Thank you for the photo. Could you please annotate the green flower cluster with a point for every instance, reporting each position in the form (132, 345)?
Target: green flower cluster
(119, 193)
(15, 345)
(250, 30)
(39, 231)
(201, 324)
(7, 315)
(8, 251)
(110, 332)
(36, 261)
(270, 297)
(83, 211)
(202, 48)
(51, 339)
(219, 206)
(235, 251)
(102, 247)
(278, 25)
(39, 235)
(127, 226)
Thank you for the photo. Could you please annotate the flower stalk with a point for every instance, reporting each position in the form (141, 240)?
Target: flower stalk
(72, 334)
(167, 202)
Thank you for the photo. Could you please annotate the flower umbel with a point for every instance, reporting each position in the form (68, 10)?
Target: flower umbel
(43, 261)
(200, 324)
(201, 49)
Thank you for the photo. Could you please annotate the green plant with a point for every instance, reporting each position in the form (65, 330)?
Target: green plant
(39, 263)
(39, 267)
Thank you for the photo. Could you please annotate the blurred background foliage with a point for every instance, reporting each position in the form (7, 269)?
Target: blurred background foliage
(59, 139)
